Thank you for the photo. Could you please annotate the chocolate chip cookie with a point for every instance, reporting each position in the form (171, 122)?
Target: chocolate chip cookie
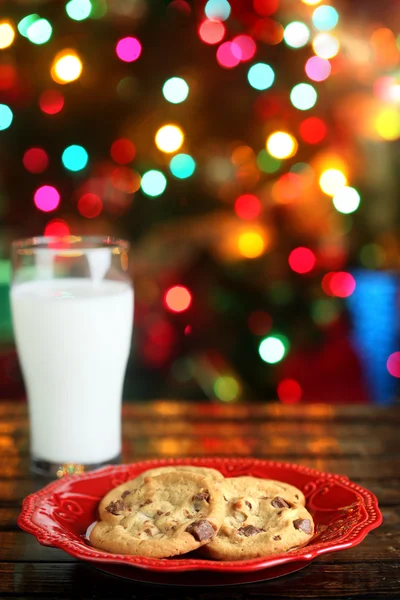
(260, 520)
(162, 515)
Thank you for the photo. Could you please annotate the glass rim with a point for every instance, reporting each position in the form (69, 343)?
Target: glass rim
(43, 242)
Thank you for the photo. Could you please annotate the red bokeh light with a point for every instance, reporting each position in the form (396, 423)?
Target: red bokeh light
(90, 205)
(8, 77)
(243, 47)
(35, 160)
(260, 322)
(125, 179)
(57, 228)
(289, 391)
(302, 260)
(178, 298)
(225, 56)
(393, 364)
(247, 207)
(268, 31)
(211, 32)
(312, 130)
(123, 151)
(339, 284)
(46, 198)
(266, 7)
(51, 102)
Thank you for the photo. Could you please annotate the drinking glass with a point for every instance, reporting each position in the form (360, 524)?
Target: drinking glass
(72, 310)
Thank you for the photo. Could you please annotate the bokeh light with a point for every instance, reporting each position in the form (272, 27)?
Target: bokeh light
(35, 160)
(372, 256)
(7, 34)
(296, 34)
(39, 32)
(153, 183)
(387, 124)
(243, 47)
(128, 49)
(26, 22)
(338, 283)
(265, 8)
(90, 205)
(311, 2)
(6, 116)
(326, 45)
(78, 10)
(289, 391)
(261, 76)
(247, 207)
(175, 90)
(325, 18)
(178, 299)
(8, 76)
(46, 198)
(66, 67)
(251, 244)
(57, 228)
(312, 130)
(211, 31)
(302, 260)
(346, 200)
(125, 179)
(75, 158)
(331, 181)
(303, 96)
(267, 163)
(182, 166)
(281, 145)
(123, 151)
(226, 388)
(169, 138)
(51, 102)
(225, 57)
(393, 364)
(218, 9)
(317, 68)
(268, 31)
(273, 348)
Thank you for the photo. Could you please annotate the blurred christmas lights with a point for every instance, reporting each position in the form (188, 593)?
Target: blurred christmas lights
(317, 68)
(78, 10)
(331, 181)
(393, 364)
(175, 90)
(273, 348)
(225, 56)
(128, 49)
(46, 198)
(7, 34)
(123, 151)
(289, 391)
(325, 18)
(51, 102)
(178, 299)
(326, 45)
(226, 388)
(66, 67)
(303, 96)
(261, 76)
(281, 145)
(25, 23)
(247, 207)
(39, 32)
(35, 160)
(346, 200)
(211, 31)
(218, 9)
(169, 138)
(296, 34)
(153, 183)
(182, 166)
(6, 116)
(74, 158)
(251, 244)
(57, 228)
(302, 260)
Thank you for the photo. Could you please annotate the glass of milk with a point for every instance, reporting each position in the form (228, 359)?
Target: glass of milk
(72, 309)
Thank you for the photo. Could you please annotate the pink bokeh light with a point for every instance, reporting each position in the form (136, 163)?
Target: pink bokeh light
(225, 56)
(128, 49)
(46, 198)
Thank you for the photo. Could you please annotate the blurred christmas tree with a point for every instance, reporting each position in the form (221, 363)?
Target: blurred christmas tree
(232, 143)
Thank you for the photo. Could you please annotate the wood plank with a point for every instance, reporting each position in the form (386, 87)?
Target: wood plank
(319, 579)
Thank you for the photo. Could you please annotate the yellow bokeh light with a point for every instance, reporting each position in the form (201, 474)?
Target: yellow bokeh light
(66, 67)
(169, 138)
(331, 180)
(7, 34)
(311, 2)
(326, 45)
(281, 145)
(251, 244)
(387, 124)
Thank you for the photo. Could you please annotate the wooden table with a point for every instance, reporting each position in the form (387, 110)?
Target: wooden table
(360, 441)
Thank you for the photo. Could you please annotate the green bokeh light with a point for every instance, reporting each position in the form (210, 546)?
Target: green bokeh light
(325, 311)
(25, 23)
(78, 10)
(182, 166)
(99, 9)
(39, 32)
(268, 163)
(153, 183)
(75, 158)
(273, 348)
(175, 90)
(6, 116)
(226, 388)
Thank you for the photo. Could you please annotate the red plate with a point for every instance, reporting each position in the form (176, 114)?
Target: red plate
(59, 514)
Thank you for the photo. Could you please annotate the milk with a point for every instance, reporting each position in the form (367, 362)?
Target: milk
(73, 338)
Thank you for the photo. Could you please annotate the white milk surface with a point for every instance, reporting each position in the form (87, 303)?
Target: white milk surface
(73, 338)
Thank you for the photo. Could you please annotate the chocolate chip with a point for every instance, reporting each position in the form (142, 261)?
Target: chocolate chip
(303, 525)
(160, 512)
(167, 514)
(148, 501)
(204, 495)
(296, 496)
(277, 538)
(116, 507)
(148, 531)
(249, 530)
(279, 502)
(201, 530)
(125, 494)
(248, 504)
